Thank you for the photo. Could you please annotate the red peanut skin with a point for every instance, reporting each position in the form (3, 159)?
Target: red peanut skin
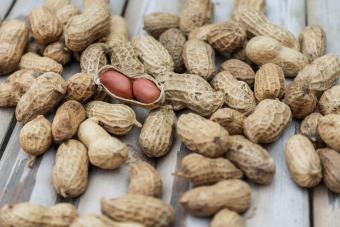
(117, 84)
(145, 91)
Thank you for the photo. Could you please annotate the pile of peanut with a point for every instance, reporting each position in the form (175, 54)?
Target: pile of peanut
(231, 111)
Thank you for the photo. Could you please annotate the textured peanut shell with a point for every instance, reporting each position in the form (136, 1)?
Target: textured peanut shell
(205, 201)
(58, 52)
(104, 151)
(144, 180)
(15, 86)
(264, 49)
(330, 160)
(39, 64)
(146, 210)
(267, 122)
(173, 40)
(67, 120)
(227, 218)
(322, 73)
(70, 171)
(241, 55)
(80, 87)
(201, 33)
(66, 12)
(158, 22)
(32, 215)
(92, 220)
(191, 91)
(90, 4)
(93, 58)
(118, 31)
(195, 13)
(36, 138)
(329, 102)
(55, 5)
(230, 119)
(34, 46)
(269, 82)
(301, 100)
(309, 128)
(303, 161)
(201, 170)
(313, 42)
(329, 129)
(202, 135)
(240, 5)
(153, 55)
(240, 70)
(13, 40)
(255, 162)
(42, 97)
(199, 58)
(156, 136)
(117, 119)
(238, 94)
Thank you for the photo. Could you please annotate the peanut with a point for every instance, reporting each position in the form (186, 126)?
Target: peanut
(238, 94)
(146, 210)
(227, 218)
(158, 22)
(145, 91)
(13, 40)
(205, 171)
(156, 136)
(45, 26)
(207, 200)
(309, 128)
(240, 5)
(241, 55)
(231, 120)
(255, 162)
(117, 119)
(118, 31)
(34, 46)
(117, 83)
(58, 52)
(104, 151)
(240, 70)
(102, 221)
(80, 87)
(330, 160)
(36, 138)
(329, 102)
(93, 58)
(145, 180)
(264, 49)
(328, 129)
(43, 96)
(89, 4)
(39, 64)
(70, 171)
(55, 5)
(65, 13)
(199, 58)
(313, 42)
(202, 135)
(267, 123)
(303, 161)
(201, 33)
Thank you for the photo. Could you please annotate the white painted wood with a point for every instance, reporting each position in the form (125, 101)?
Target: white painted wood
(5, 6)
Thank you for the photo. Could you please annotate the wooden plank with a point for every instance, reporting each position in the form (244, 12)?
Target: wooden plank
(5, 7)
(326, 205)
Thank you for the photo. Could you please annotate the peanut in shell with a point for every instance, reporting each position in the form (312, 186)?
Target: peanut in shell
(158, 22)
(240, 70)
(93, 58)
(313, 42)
(329, 102)
(329, 129)
(240, 5)
(330, 160)
(118, 31)
(58, 52)
(230, 119)
(92, 220)
(80, 87)
(309, 128)
(39, 64)
(66, 12)
(227, 218)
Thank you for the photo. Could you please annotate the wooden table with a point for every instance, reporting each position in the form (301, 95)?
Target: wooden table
(281, 204)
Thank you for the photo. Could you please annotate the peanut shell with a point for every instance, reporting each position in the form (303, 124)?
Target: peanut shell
(329, 102)
(39, 64)
(92, 220)
(201, 33)
(330, 160)
(313, 42)
(240, 70)
(227, 218)
(118, 31)
(309, 128)
(329, 129)
(158, 22)
(93, 58)
(58, 52)
(80, 87)
(65, 13)
(240, 5)
(55, 5)
(230, 119)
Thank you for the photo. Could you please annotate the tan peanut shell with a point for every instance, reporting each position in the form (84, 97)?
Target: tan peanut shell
(240, 70)
(195, 13)
(92, 220)
(44, 94)
(156, 136)
(80, 87)
(264, 49)
(329, 129)
(191, 91)
(330, 160)
(39, 64)
(13, 40)
(322, 73)
(70, 171)
(58, 52)
(329, 102)
(201, 33)
(173, 40)
(34, 46)
(202, 135)
(146, 210)
(227, 37)
(309, 128)
(55, 5)
(200, 170)
(104, 151)
(118, 31)
(32, 215)
(199, 58)
(117, 119)
(257, 24)
(269, 82)
(241, 55)
(66, 12)
(67, 120)
(153, 55)
(15, 86)
(255, 162)
(93, 58)
(267, 122)
(205, 201)
(158, 22)
(240, 5)
(313, 42)
(144, 180)
(238, 94)
(227, 218)
(303, 161)
(230, 119)
(36, 138)
(301, 100)
(90, 4)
